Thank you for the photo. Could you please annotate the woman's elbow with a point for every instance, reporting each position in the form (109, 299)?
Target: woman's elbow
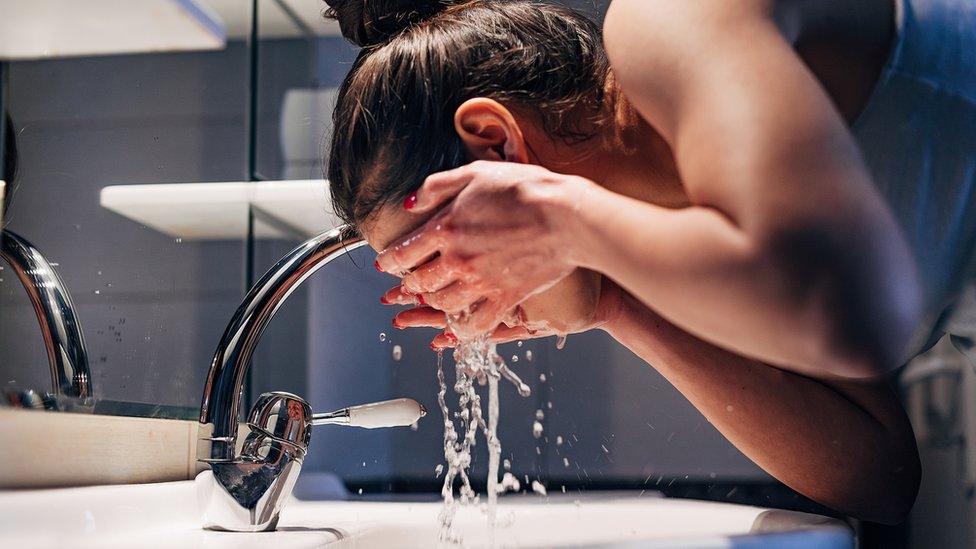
(862, 307)
(892, 503)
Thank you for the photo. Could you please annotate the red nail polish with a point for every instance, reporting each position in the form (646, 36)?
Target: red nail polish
(410, 201)
(384, 300)
(396, 323)
(453, 338)
(421, 300)
(377, 265)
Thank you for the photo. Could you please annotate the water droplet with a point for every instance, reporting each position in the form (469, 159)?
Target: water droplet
(97, 292)
(518, 344)
(179, 240)
(382, 336)
(730, 408)
(528, 356)
(563, 488)
(538, 488)
(542, 378)
(605, 451)
(397, 352)
(360, 491)
(537, 429)
(561, 342)
(549, 405)
(514, 358)
(559, 441)
(507, 465)
(540, 415)
(438, 470)
(566, 462)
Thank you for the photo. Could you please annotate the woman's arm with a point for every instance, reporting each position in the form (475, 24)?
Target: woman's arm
(788, 255)
(846, 445)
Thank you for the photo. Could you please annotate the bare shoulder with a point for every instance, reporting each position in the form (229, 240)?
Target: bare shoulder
(661, 50)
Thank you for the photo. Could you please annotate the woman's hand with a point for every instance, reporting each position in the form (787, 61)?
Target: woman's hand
(580, 302)
(503, 234)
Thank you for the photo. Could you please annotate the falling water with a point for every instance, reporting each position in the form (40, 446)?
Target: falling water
(476, 361)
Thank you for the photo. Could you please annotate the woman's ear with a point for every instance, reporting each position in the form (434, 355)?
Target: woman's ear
(490, 132)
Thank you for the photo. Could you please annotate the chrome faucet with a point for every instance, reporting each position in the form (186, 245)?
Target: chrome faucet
(246, 491)
(60, 329)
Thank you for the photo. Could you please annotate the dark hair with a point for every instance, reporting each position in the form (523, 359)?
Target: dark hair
(9, 160)
(421, 59)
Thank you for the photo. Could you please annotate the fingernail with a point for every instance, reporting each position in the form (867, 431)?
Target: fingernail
(453, 338)
(377, 265)
(421, 300)
(384, 300)
(410, 201)
(396, 323)
(434, 347)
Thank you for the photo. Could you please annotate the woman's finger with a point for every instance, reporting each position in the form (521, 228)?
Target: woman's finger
(415, 249)
(420, 317)
(397, 296)
(438, 189)
(443, 340)
(483, 317)
(454, 299)
(504, 334)
(433, 276)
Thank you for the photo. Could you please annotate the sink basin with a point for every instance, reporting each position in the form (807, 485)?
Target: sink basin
(165, 515)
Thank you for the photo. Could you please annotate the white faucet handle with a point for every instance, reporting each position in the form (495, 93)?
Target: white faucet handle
(400, 412)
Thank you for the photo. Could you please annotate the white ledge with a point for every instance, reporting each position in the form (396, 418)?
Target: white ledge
(219, 211)
(34, 29)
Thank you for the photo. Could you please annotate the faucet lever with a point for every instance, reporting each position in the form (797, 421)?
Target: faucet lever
(400, 412)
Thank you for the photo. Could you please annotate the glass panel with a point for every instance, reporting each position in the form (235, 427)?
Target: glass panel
(152, 304)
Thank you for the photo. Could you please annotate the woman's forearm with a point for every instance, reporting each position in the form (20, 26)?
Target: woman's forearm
(789, 307)
(846, 445)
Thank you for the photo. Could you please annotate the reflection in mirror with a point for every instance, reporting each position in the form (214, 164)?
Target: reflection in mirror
(151, 305)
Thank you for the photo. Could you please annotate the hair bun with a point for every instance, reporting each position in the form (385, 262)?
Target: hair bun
(371, 22)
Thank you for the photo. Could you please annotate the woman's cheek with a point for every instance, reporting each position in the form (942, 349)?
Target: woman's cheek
(567, 307)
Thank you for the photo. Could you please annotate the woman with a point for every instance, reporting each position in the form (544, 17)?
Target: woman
(724, 190)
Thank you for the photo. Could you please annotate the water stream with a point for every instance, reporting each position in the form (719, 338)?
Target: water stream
(476, 361)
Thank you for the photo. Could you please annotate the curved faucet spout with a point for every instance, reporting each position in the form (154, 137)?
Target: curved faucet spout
(222, 394)
(63, 339)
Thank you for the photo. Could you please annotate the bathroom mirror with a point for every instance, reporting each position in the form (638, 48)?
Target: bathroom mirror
(151, 290)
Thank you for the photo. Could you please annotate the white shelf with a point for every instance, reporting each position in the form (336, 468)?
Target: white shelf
(34, 29)
(218, 211)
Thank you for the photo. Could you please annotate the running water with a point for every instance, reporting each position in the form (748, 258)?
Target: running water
(476, 360)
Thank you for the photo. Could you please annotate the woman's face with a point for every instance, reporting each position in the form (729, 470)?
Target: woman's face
(636, 171)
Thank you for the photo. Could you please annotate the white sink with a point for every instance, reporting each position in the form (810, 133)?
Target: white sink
(165, 515)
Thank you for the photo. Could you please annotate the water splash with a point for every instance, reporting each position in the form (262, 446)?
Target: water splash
(476, 361)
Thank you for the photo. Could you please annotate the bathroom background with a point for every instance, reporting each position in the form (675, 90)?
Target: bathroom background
(153, 305)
